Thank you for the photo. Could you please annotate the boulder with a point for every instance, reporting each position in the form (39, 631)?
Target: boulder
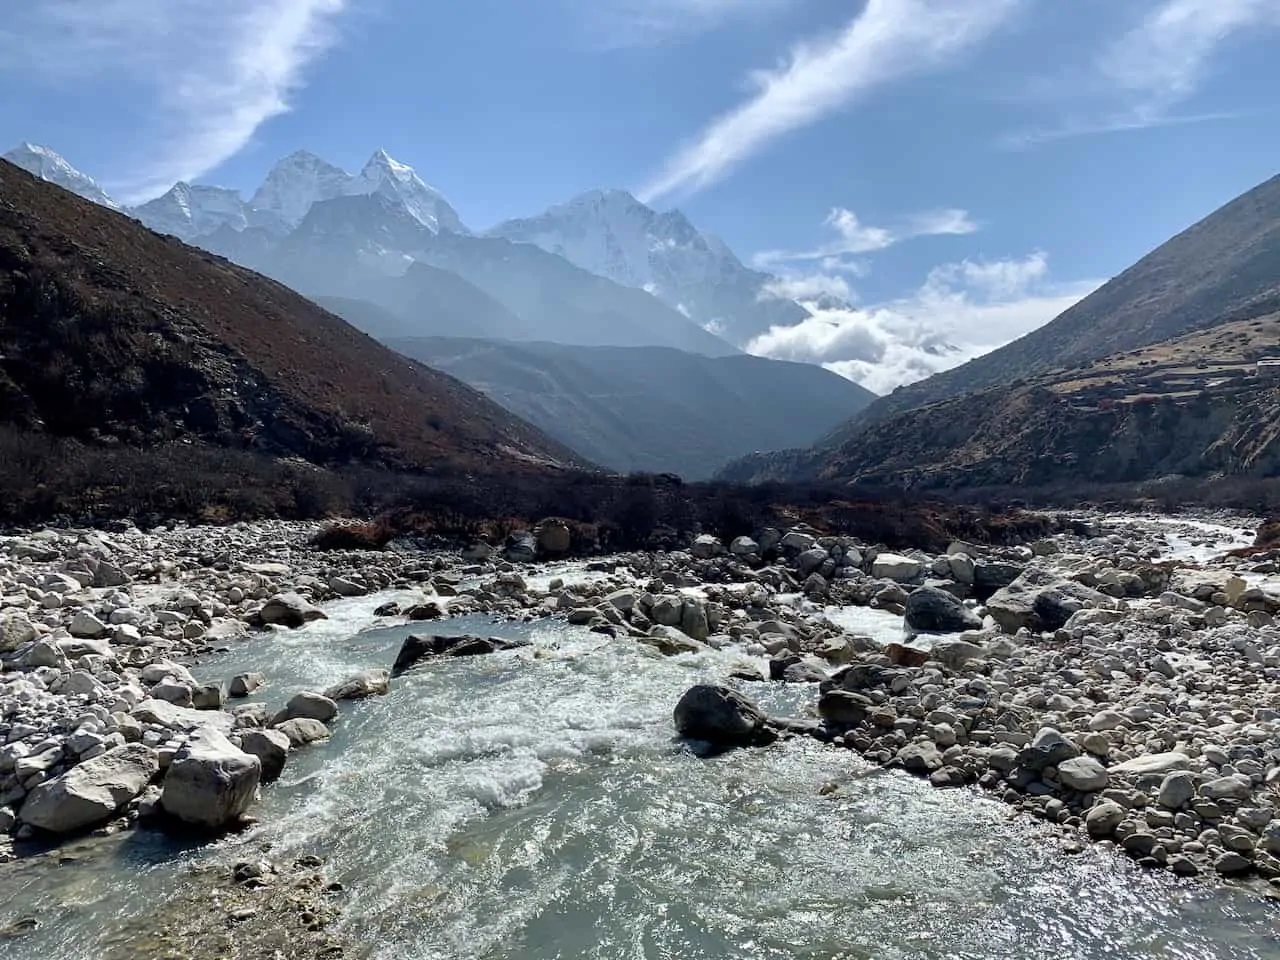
(521, 547)
(670, 641)
(843, 708)
(90, 792)
(1038, 601)
(1103, 818)
(1048, 748)
(1231, 789)
(243, 684)
(722, 717)
(920, 758)
(208, 696)
(1177, 789)
(1084, 774)
(302, 731)
(1153, 763)
(744, 547)
(554, 538)
(271, 747)
(477, 552)
(693, 619)
(429, 610)
(313, 706)
(417, 647)
(346, 588)
(85, 625)
(15, 630)
(930, 610)
(954, 652)
(367, 683)
(706, 547)
(210, 782)
(182, 719)
(893, 566)
(290, 610)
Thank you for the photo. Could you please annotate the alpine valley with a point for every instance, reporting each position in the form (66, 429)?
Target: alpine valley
(388, 253)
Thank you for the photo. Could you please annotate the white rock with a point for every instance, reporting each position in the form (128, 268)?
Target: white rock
(210, 782)
(90, 792)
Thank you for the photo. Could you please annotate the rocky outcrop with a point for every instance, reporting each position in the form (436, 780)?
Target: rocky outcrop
(1039, 600)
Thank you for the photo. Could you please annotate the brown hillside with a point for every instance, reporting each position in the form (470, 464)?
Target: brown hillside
(111, 333)
(1193, 406)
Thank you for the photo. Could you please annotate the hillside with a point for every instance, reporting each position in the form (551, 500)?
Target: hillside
(114, 335)
(1224, 267)
(650, 408)
(1192, 406)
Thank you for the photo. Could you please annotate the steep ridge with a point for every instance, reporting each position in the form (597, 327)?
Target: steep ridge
(649, 409)
(113, 334)
(1223, 267)
(1194, 406)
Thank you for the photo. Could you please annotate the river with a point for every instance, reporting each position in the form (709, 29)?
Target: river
(533, 804)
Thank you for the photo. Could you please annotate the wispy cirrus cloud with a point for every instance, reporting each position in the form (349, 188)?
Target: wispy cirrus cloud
(617, 24)
(1143, 75)
(961, 311)
(211, 71)
(855, 237)
(888, 40)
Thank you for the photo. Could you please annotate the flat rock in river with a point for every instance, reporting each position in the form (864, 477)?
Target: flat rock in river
(90, 792)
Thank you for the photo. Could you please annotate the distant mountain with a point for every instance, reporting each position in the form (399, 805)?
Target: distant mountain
(189, 212)
(614, 235)
(620, 273)
(649, 408)
(1225, 266)
(369, 248)
(113, 334)
(47, 165)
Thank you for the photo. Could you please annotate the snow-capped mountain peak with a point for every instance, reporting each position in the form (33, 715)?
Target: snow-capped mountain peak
(48, 165)
(295, 183)
(385, 175)
(188, 211)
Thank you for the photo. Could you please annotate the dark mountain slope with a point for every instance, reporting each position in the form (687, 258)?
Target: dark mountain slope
(1192, 407)
(1227, 266)
(650, 408)
(112, 333)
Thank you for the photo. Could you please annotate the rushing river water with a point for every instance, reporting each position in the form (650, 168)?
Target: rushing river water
(533, 804)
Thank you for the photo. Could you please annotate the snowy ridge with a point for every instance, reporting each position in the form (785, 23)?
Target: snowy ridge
(47, 165)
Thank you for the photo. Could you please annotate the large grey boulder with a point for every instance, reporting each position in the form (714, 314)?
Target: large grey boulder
(210, 782)
(418, 647)
(312, 706)
(290, 610)
(1040, 601)
(90, 792)
(271, 747)
(722, 717)
(931, 610)
(1048, 748)
(182, 719)
(893, 566)
(1084, 774)
(303, 730)
(15, 630)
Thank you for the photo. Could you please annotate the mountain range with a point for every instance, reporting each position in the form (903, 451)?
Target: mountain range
(601, 269)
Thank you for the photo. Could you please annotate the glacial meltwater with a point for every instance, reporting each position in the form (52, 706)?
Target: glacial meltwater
(534, 804)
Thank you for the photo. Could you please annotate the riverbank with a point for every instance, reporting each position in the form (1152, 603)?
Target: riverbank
(769, 609)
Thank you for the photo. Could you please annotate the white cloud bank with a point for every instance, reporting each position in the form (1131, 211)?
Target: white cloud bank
(212, 71)
(961, 311)
(888, 40)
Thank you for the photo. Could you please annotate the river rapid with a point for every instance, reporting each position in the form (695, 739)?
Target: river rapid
(534, 804)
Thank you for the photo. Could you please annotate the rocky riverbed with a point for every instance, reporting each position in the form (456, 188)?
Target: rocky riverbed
(1124, 686)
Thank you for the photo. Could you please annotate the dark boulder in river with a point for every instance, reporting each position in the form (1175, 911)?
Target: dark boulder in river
(722, 717)
(417, 647)
(930, 610)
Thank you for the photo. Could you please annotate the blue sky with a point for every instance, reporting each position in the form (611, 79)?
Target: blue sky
(959, 169)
